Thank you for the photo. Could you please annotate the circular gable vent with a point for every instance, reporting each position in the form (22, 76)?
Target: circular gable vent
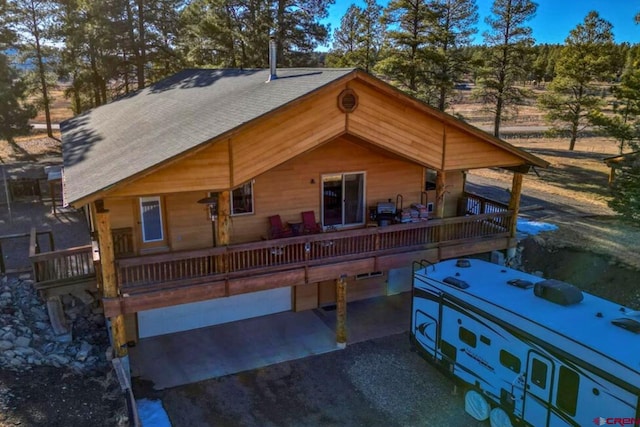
(347, 101)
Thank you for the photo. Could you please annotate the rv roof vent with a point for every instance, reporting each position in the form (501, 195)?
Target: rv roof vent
(463, 263)
(519, 283)
(456, 282)
(628, 324)
(558, 292)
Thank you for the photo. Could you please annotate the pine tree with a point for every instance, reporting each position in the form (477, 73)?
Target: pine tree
(14, 111)
(452, 24)
(624, 124)
(572, 99)
(345, 39)
(357, 42)
(32, 21)
(509, 39)
(407, 24)
(7, 36)
(297, 29)
(625, 189)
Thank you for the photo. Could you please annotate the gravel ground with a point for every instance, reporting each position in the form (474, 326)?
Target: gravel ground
(380, 382)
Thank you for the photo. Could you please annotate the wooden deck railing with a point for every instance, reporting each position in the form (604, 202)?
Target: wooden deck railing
(60, 266)
(188, 267)
(123, 241)
(472, 204)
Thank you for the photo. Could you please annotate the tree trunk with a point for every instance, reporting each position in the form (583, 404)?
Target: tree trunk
(280, 32)
(574, 137)
(498, 119)
(142, 49)
(41, 71)
(132, 43)
(442, 100)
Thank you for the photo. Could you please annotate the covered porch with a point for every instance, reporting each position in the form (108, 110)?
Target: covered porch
(160, 280)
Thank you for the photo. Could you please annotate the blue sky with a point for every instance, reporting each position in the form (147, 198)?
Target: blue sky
(553, 21)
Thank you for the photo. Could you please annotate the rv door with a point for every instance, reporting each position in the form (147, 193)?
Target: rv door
(537, 389)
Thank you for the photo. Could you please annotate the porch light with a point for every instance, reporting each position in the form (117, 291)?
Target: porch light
(212, 202)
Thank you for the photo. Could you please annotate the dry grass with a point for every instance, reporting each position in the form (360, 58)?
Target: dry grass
(578, 181)
(32, 147)
(60, 107)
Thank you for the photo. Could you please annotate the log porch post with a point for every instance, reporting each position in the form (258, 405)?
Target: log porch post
(341, 311)
(224, 213)
(514, 201)
(222, 231)
(108, 269)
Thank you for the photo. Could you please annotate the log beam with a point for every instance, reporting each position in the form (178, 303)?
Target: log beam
(514, 201)
(224, 218)
(341, 311)
(108, 272)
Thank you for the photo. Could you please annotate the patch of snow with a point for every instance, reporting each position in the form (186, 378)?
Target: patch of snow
(152, 414)
(534, 227)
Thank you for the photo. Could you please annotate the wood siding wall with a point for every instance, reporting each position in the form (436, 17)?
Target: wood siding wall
(121, 212)
(289, 133)
(287, 189)
(464, 151)
(454, 182)
(188, 222)
(204, 170)
(393, 125)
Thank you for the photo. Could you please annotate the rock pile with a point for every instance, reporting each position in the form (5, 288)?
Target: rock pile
(27, 338)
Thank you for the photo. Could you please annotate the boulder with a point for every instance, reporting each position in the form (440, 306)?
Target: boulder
(22, 342)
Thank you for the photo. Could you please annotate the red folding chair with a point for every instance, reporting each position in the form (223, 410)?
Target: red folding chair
(276, 229)
(309, 224)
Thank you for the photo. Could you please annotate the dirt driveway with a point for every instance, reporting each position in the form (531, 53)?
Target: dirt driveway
(374, 383)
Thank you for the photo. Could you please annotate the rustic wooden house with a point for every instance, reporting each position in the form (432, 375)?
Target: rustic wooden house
(185, 180)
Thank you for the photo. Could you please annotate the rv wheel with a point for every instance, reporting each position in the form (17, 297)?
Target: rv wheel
(476, 405)
(499, 418)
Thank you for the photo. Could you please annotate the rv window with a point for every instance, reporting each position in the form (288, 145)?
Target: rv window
(567, 395)
(485, 340)
(510, 361)
(539, 373)
(467, 337)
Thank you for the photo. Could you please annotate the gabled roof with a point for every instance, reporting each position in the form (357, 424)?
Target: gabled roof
(134, 134)
(110, 143)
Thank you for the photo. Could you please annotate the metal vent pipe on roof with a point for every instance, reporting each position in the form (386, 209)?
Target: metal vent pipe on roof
(272, 58)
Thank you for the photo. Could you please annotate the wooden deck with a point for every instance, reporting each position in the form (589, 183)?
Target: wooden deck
(60, 268)
(159, 280)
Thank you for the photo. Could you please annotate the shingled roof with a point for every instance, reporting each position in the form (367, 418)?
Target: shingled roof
(132, 134)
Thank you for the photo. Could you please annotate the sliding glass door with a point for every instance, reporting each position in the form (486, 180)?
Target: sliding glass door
(343, 199)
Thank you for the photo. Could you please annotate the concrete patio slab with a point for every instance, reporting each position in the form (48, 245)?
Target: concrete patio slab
(186, 357)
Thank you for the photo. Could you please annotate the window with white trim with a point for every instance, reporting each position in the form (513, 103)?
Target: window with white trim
(151, 218)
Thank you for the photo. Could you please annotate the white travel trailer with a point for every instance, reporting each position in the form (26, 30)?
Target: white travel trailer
(541, 352)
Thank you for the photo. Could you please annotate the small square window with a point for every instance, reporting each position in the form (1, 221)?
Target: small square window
(510, 361)
(242, 199)
(467, 337)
